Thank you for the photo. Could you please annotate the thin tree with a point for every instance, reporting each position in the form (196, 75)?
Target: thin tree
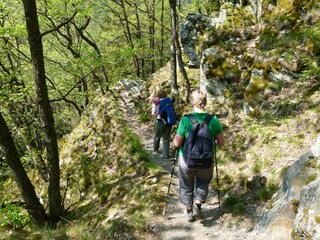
(124, 20)
(162, 33)
(35, 209)
(177, 49)
(173, 52)
(151, 16)
(46, 115)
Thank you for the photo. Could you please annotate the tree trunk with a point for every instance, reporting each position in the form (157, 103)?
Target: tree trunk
(151, 38)
(35, 209)
(36, 49)
(80, 31)
(138, 34)
(129, 38)
(162, 33)
(175, 36)
(173, 54)
(181, 67)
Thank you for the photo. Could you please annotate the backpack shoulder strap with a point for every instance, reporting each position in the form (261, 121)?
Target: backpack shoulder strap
(207, 119)
(192, 118)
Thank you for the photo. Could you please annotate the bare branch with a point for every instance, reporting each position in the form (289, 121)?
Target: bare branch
(60, 25)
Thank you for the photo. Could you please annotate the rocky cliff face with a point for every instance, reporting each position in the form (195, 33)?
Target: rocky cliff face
(250, 47)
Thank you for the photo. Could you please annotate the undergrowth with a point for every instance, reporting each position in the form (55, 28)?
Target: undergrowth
(109, 183)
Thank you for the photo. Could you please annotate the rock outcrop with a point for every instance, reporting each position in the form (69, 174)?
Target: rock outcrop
(239, 46)
(295, 211)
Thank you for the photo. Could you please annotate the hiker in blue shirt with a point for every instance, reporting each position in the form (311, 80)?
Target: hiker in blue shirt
(194, 182)
(161, 129)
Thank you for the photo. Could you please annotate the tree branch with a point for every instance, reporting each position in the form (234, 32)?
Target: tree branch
(60, 25)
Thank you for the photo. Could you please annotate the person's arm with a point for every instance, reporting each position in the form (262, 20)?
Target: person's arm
(220, 140)
(178, 140)
(155, 110)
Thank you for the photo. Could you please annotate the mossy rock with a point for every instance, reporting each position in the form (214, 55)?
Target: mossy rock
(257, 84)
(285, 5)
(268, 39)
(237, 17)
(287, 20)
(281, 7)
(226, 72)
(207, 39)
(291, 61)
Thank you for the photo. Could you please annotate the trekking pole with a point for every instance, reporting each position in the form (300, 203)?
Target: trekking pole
(218, 186)
(172, 171)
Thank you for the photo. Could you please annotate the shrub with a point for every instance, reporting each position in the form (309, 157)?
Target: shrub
(13, 216)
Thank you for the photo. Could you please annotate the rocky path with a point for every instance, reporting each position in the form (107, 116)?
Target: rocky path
(173, 225)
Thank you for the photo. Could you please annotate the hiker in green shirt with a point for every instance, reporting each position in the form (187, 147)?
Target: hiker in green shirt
(194, 182)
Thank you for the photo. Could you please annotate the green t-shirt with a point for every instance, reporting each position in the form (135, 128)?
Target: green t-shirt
(185, 126)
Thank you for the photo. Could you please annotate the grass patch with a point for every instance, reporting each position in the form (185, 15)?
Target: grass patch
(143, 109)
(257, 168)
(265, 193)
(312, 178)
(235, 204)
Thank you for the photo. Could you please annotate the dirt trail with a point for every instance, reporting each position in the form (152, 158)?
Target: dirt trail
(174, 226)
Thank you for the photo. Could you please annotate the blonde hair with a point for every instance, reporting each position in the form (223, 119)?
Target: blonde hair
(198, 99)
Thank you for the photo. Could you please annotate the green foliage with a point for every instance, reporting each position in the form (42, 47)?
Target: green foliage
(143, 109)
(257, 168)
(13, 216)
(268, 39)
(265, 193)
(276, 86)
(312, 163)
(235, 204)
(312, 67)
(205, 7)
(312, 37)
(312, 178)
(133, 141)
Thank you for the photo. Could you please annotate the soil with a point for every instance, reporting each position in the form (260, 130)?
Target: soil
(174, 225)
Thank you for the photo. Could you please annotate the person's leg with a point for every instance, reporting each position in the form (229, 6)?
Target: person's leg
(157, 136)
(203, 179)
(166, 141)
(186, 187)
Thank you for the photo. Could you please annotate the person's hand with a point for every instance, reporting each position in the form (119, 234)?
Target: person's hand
(172, 146)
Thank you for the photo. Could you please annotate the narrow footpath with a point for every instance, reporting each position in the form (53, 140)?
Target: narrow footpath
(174, 226)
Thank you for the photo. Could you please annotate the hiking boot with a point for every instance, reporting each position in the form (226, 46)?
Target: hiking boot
(190, 216)
(198, 213)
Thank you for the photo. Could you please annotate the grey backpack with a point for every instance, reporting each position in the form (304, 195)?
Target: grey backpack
(197, 149)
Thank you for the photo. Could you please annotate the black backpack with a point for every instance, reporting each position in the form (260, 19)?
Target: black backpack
(197, 149)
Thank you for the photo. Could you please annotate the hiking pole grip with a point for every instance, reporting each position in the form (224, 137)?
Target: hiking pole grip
(172, 171)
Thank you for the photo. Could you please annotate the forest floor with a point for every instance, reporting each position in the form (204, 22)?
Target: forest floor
(174, 225)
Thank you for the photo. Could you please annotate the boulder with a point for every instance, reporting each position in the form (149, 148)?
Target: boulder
(258, 82)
